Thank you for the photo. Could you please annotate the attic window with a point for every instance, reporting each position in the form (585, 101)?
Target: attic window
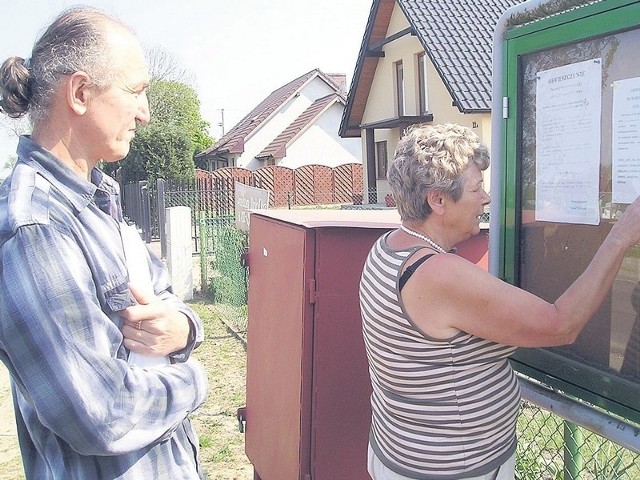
(422, 84)
(399, 84)
(381, 160)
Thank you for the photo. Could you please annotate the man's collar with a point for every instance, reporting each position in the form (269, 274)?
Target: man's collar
(79, 191)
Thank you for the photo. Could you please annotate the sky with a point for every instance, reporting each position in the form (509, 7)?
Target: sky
(238, 51)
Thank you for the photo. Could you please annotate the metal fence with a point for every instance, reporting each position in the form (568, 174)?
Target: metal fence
(552, 448)
(549, 446)
(222, 267)
(144, 203)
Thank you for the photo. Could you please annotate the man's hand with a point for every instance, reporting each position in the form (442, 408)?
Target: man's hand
(152, 327)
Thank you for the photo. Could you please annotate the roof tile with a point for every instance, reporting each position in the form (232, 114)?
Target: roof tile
(458, 35)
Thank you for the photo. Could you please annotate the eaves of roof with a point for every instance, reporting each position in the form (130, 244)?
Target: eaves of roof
(365, 69)
(277, 148)
(400, 122)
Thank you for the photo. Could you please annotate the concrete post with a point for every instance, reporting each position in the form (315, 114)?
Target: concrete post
(179, 251)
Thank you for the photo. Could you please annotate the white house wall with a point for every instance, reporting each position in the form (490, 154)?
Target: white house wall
(320, 144)
(279, 120)
(382, 97)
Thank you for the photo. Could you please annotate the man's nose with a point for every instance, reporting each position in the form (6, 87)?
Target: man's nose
(144, 115)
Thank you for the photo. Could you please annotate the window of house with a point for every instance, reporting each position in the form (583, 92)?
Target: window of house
(399, 81)
(381, 159)
(213, 163)
(422, 84)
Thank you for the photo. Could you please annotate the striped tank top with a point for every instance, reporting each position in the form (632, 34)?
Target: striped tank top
(441, 409)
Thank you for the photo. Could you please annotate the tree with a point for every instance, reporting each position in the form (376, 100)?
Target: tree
(8, 166)
(175, 103)
(163, 65)
(11, 128)
(15, 126)
(159, 151)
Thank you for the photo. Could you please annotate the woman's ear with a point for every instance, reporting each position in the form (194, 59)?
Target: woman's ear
(78, 91)
(436, 201)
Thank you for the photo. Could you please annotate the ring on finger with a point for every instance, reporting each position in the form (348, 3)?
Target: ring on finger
(139, 325)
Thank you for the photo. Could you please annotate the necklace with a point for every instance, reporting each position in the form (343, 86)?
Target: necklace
(424, 238)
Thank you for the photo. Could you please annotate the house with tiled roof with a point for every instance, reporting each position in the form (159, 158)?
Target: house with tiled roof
(420, 61)
(296, 125)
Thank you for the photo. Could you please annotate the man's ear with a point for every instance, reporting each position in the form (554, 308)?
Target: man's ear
(78, 92)
(436, 201)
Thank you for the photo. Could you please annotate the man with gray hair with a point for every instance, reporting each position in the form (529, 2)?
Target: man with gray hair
(71, 314)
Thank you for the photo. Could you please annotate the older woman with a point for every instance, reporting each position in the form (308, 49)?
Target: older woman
(439, 330)
(69, 316)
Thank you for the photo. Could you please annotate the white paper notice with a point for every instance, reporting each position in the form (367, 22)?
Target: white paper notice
(568, 110)
(140, 276)
(625, 141)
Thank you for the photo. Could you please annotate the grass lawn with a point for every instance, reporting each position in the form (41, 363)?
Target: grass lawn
(224, 357)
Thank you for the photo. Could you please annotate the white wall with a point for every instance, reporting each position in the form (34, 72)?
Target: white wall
(279, 120)
(320, 144)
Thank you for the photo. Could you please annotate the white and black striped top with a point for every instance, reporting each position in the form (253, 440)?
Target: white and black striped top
(441, 409)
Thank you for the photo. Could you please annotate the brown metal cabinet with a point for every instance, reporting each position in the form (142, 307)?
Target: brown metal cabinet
(307, 414)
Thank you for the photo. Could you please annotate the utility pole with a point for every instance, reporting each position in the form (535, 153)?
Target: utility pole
(221, 124)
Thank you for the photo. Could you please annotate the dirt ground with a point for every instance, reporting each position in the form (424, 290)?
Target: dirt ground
(10, 466)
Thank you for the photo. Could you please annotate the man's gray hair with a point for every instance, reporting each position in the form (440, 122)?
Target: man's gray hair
(74, 42)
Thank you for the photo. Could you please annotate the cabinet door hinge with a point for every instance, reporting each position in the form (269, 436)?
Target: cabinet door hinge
(312, 291)
(505, 107)
(244, 258)
(241, 415)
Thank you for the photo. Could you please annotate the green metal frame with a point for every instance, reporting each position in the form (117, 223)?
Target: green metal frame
(595, 386)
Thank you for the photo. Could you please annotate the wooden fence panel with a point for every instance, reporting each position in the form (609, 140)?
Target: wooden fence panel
(345, 183)
(323, 184)
(304, 190)
(279, 181)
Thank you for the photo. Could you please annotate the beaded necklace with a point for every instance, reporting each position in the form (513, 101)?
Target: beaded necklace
(424, 238)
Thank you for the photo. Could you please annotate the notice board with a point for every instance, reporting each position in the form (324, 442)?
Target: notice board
(572, 165)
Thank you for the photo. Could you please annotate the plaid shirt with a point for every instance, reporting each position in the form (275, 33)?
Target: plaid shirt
(82, 412)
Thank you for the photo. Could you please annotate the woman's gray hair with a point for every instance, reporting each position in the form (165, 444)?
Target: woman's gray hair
(432, 157)
(74, 42)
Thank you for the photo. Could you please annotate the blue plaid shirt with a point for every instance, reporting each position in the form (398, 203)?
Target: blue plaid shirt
(82, 412)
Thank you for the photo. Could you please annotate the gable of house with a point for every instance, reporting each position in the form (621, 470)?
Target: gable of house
(313, 138)
(456, 37)
(245, 144)
(420, 61)
(278, 147)
(233, 140)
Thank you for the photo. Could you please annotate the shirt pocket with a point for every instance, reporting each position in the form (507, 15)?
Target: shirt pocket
(115, 295)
